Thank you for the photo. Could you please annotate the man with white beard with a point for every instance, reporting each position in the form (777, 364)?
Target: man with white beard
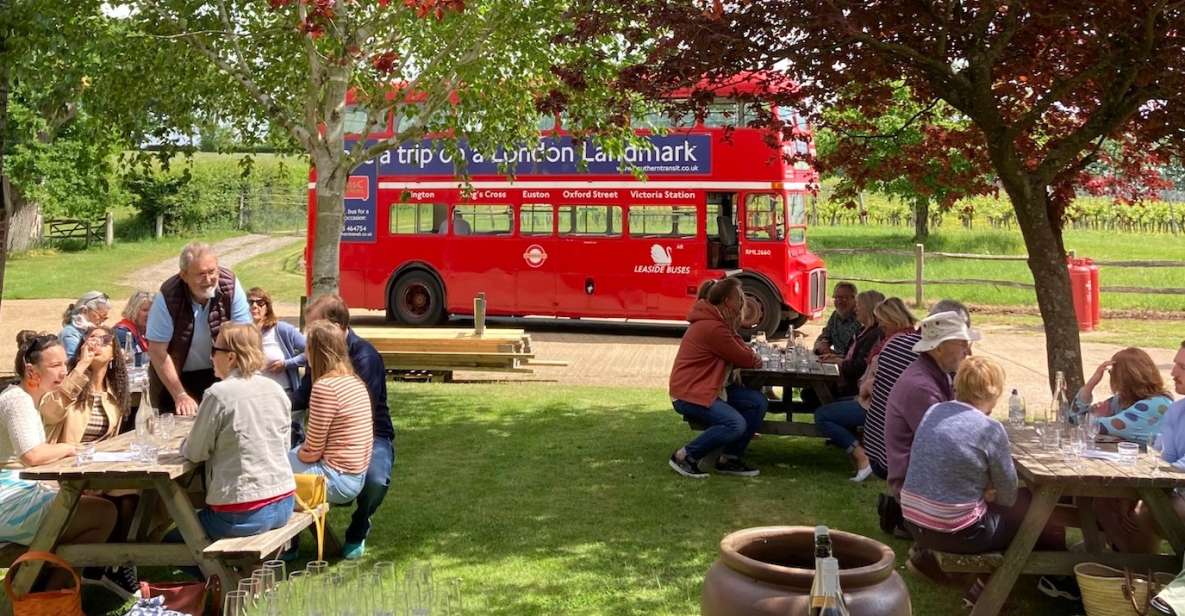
(183, 323)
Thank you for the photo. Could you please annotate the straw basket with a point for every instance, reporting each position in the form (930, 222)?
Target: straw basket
(1114, 592)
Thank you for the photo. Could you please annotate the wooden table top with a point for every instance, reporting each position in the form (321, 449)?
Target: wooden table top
(169, 464)
(826, 372)
(1036, 465)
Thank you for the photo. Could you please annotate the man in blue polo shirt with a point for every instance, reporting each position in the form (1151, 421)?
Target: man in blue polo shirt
(184, 321)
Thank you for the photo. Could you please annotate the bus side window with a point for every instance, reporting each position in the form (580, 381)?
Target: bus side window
(662, 221)
(765, 217)
(535, 219)
(482, 220)
(415, 218)
(603, 220)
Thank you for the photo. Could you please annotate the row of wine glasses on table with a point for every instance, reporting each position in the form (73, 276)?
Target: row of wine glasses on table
(1077, 441)
(346, 589)
(794, 357)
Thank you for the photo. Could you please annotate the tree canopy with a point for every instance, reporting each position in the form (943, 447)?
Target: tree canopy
(1039, 89)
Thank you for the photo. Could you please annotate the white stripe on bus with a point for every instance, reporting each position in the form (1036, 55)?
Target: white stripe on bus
(529, 185)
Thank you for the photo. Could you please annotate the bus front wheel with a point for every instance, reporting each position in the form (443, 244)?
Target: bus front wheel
(416, 299)
(771, 310)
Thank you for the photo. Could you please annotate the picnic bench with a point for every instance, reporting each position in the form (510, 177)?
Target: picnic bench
(1050, 478)
(821, 379)
(166, 482)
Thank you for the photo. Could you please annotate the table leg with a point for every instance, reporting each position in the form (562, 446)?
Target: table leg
(177, 502)
(824, 393)
(142, 520)
(1090, 524)
(57, 519)
(1000, 585)
(1160, 503)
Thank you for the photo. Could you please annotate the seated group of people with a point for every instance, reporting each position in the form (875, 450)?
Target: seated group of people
(912, 407)
(221, 354)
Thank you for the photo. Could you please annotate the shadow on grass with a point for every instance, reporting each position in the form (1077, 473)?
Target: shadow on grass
(549, 500)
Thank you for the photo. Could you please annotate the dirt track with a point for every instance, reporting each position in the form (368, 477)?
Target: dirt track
(630, 355)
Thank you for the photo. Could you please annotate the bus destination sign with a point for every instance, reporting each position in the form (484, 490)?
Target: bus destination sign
(663, 155)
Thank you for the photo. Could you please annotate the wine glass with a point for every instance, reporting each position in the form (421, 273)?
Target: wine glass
(1156, 443)
(1093, 429)
(235, 603)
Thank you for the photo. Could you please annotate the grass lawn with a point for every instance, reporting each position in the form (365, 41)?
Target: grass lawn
(278, 271)
(49, 273)
(547, 500)
(1093, 244)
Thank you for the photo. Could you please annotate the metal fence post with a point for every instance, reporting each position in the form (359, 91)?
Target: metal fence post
(919, 259)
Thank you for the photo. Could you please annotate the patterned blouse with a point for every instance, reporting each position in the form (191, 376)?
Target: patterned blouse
(1136, 423)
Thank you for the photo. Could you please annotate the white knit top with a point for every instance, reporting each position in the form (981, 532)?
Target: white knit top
(20, 425)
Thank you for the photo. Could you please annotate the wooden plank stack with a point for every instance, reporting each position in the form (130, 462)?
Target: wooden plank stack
(449, 349)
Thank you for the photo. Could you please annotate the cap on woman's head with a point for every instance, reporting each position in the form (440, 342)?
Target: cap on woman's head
(938, 328)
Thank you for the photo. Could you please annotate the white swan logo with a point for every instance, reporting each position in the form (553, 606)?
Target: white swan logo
(661, 260)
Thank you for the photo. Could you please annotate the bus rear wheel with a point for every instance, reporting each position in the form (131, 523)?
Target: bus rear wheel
(771, 310)
(416, 299)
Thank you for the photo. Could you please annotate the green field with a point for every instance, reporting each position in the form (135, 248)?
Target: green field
(47, 273)
(1093, 244)
(279, 272)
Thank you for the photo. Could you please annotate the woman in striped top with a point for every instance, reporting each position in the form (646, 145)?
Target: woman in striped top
(340, 431)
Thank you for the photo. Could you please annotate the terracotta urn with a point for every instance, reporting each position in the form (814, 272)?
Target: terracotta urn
(767, 571)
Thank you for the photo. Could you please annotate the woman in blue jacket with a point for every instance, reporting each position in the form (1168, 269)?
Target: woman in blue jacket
(283, 344)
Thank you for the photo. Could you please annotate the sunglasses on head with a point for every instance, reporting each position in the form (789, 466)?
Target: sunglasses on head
(38, 343)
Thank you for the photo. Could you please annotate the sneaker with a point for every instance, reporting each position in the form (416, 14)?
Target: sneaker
(1059, 587)
(353, 551)
(861, 475)
(734, 466)
(687, 467)
(124, 582)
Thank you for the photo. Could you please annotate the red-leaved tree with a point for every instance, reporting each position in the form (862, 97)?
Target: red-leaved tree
(1041, 88)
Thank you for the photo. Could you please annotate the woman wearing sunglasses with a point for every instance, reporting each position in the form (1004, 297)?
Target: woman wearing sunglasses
(283, 344)
(92, 400)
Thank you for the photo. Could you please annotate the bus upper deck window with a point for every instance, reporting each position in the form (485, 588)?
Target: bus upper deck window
(535, 219)
(722, 114)
(355, 122)
(675, 221)
(765, 217)
(603, 220)
(417, 219)
(482, 220)
(545, 121)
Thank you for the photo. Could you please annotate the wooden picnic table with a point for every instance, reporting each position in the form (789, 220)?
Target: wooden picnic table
(821, 379)
(166, 480)
(1050, 477)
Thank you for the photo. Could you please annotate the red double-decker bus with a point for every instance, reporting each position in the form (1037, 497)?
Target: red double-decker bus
(593, 241)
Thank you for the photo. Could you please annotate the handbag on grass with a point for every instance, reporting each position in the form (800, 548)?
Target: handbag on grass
(64, 602)
(1107, 591)
(312, 491)
(183, 597)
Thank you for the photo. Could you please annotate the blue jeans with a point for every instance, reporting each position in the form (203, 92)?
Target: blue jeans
(342, 488)
(838, 422)
(223, 524)
(374, 489)
(731, 424)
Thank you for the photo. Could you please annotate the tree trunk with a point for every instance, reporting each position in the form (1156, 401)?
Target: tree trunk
(921, 220)
(1051, 276)
(4, 200)
(327, 230)
(24, 220)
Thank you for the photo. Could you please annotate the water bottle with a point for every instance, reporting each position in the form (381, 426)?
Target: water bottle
(1016, 410)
